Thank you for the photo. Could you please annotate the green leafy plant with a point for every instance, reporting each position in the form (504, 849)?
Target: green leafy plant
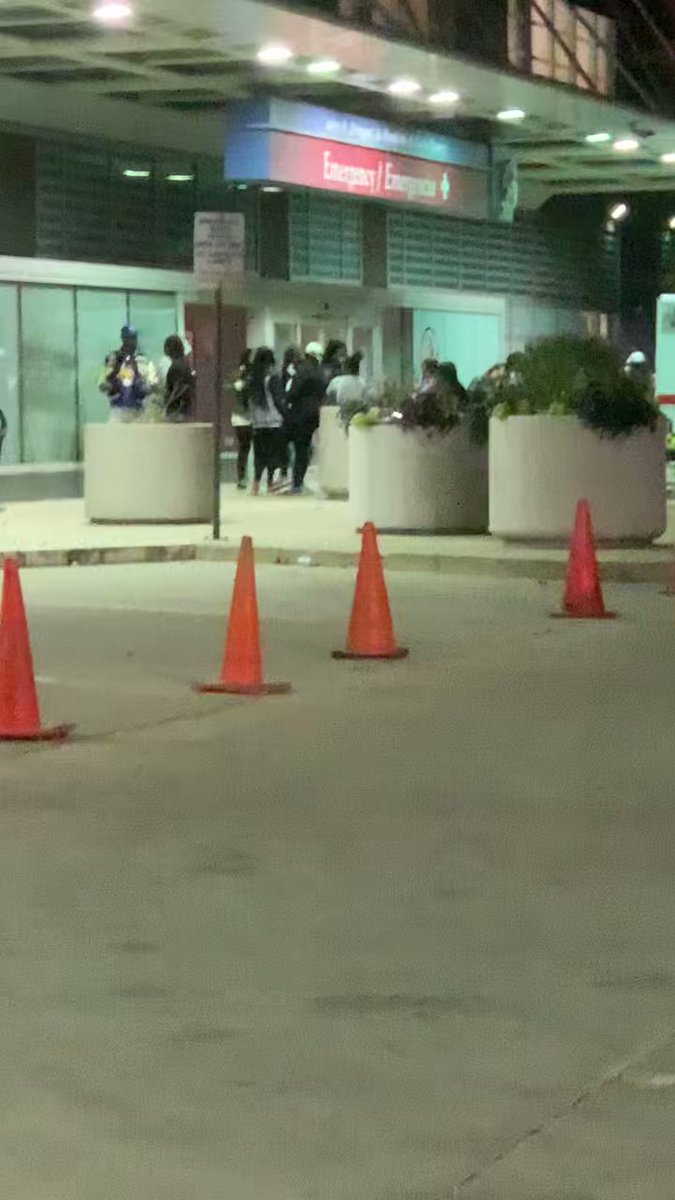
(347, 412)
(567, 376)
(365, 420)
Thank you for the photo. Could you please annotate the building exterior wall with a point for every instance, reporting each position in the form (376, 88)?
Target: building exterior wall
(57, 323)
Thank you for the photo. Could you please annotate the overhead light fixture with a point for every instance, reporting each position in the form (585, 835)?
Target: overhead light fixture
(671, 223)
(596, 139)
(669, 157)
(113, 10)
(323, 66)
(136, 173)
(511, 114)
(274, 56)
(626, 145)
(176, 177)
(619, 212)
(404, 87)
(271, 188)
(444, 98)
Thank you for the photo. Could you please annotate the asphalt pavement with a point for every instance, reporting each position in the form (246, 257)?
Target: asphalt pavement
(404, 934)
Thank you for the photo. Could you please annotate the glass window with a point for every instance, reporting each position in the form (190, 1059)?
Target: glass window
(155, 317)
(9, 371)
(100, 317)
(49, 398)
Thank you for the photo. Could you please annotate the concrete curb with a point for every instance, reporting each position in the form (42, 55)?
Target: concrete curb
(543, 569)
(653, 570)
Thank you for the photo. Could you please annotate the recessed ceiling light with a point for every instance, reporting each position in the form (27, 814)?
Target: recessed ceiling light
(274, 55)
(669, 157)
(323, 66)
(270, 188)
(404, 87)
(511, 114)
(626, 145)
(595, 139)
(176, 177)
(443, 98)
(136, 173)
(113, 10)
(618, 211)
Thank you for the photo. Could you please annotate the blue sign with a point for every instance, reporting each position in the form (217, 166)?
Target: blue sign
(286, 117)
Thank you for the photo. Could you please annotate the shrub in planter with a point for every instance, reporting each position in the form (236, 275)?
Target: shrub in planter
(412, 465)
(580, 428)
(568, 376)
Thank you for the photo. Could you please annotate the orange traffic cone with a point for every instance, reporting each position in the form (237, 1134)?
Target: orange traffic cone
(242, 671)
(19, 707)
(583, 592)
(371, 629)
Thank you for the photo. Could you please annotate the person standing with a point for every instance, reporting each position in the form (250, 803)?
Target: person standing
(348, 390)
(264, 400)
(303, 399)
(241, 422)
(334, 360)
(128, 378)
(179, 387)
(289, 369)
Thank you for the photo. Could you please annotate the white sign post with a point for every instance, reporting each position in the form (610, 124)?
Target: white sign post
(219, 254)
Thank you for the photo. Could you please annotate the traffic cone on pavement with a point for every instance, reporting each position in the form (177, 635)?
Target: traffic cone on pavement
(242, 669)
(371, 629)
(19, 707)
(583, 591)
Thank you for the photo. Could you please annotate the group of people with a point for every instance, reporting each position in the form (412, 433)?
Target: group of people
(276, 410)
(130, 380)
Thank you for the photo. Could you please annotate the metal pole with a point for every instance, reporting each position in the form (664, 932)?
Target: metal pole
(217, 411)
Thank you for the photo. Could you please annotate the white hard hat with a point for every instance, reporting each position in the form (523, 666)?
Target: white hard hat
(315, 349)
(636, 359)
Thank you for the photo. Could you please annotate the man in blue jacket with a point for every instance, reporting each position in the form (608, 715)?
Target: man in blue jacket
(128, 378)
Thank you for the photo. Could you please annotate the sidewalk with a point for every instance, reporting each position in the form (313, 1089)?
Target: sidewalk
(309, 531)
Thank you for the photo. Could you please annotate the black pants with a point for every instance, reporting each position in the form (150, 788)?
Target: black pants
(267, 449)
(244, 436)
(302, 444)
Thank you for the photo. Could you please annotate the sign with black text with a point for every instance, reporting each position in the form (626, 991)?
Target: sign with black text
(219, 245)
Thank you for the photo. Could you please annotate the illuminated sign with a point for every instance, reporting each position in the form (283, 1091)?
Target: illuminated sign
(283, 116)
(301, 161)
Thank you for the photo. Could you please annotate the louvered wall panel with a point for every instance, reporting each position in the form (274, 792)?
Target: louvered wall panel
(87, 209)
(426, 250)
(325, 239)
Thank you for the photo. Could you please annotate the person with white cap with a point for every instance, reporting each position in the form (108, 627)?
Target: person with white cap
(304, 399)
(636, 365)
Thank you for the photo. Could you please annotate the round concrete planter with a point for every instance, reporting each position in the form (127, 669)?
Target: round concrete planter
(540, 466)
(417, 482)
(148, 472)
(333, 457)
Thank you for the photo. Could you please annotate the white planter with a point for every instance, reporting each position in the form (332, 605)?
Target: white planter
(416, 481)
(333, 457)
(148, 472)
(540, 466)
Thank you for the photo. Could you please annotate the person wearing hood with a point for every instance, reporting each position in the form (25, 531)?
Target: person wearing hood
(303, 399)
